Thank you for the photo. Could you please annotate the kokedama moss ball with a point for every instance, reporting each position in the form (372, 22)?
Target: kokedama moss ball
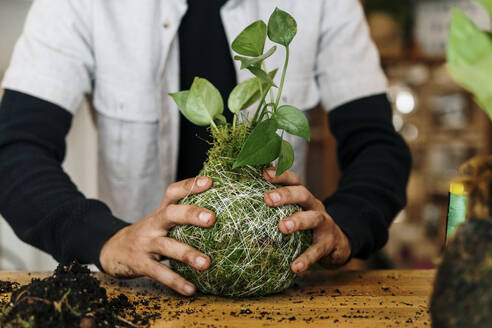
(250, 256)
(463, 288)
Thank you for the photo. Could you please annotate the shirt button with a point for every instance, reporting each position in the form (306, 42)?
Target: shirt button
(166, 23)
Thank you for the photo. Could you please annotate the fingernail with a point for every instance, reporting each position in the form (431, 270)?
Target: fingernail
(205, 217)
(299, 266)
(289, 225)
(271, 173)
(274, 197)
(188, 289)
(202, 182)
(201, 262)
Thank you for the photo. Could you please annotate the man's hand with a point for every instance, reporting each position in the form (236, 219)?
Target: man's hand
(137, 249)
(330, 244)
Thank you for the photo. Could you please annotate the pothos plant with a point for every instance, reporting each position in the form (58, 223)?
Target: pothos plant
(469, 56)
(202, 104)
(249, 255)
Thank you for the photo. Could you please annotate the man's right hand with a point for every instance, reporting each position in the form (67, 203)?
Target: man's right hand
(137, 249)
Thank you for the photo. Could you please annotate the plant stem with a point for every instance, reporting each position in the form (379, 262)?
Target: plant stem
(74, 312)
(284, 71)
(257, 112)
(272, 99)
(20, 295)
(264, 111)
(212, 123)
(263, 114)
(125, 321)
(58, 304)
(33, 298)
(234, 122)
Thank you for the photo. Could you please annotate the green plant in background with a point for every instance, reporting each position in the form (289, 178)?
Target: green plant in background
(469, 56)
(250, 256)
(462, 294)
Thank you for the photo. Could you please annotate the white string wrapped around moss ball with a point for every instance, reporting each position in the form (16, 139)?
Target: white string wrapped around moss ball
(250, 256)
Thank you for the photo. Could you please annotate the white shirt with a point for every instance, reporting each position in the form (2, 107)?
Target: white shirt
(125, 54)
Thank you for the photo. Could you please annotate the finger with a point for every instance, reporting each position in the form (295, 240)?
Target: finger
(286, 178)
(166, 276)
(336, 259)
(179, 190)
(340, 253)
(182, 252)
(291, 195)
(173, 215)
(304, 220)
(312, 255)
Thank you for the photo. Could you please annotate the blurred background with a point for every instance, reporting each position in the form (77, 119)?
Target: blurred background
(438, 119)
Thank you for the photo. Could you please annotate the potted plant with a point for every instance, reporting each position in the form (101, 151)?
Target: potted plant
(463, 288)
(250, 256)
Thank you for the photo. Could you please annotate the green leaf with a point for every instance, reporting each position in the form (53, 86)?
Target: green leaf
(244, 95)
(293, 120)
(247, 93)
(255, 61)
(180, 98)
(251, 41)
(261, 147)
(467, 44)
(263, 76)
(469, 55)
(285, 159)
(271, 75)
(487, 4)
(204, 103)
(282, 27)
(220, 119)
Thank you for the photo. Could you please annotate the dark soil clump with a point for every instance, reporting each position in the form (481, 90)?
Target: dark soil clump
(71, 297)
(8, 287)
(463, 287)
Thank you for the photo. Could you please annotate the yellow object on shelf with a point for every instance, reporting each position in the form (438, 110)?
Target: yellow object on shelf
(458, 203)
(458, 188)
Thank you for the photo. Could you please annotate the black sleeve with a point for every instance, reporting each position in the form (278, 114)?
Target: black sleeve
(375, 163)
(37, 198)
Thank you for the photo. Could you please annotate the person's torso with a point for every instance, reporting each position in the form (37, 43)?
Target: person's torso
(136, 53)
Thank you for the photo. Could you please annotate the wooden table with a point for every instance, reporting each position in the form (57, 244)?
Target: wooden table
(319, 299)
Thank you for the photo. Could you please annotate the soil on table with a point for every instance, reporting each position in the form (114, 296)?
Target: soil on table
(8, 286)
(71, 297)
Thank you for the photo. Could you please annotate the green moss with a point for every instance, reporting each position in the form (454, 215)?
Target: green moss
(250, 256)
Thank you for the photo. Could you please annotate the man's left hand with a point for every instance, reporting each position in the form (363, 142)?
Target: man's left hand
(330, 244)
